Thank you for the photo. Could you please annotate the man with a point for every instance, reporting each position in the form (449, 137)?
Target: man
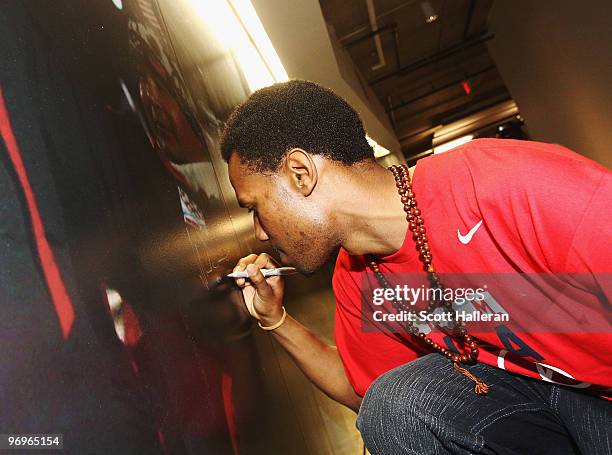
(532, 213)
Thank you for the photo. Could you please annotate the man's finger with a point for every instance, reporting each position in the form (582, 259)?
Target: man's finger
(265, 261)
(241, 265)
(258, 280)
(243, 262)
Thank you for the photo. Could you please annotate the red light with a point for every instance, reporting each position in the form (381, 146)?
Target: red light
(466, 87)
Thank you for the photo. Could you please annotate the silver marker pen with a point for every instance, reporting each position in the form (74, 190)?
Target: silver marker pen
(266, 272)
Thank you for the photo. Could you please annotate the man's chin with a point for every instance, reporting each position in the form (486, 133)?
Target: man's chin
(305, 268)
(287, 261)
(307, 272)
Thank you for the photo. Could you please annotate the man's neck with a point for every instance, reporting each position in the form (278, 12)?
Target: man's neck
(374, 220)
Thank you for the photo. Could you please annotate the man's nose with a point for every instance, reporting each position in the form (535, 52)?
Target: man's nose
(259, 231)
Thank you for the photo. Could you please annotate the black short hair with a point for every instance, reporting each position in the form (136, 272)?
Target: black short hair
(294, 114)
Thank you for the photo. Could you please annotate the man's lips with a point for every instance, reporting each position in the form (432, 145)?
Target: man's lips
(284, 258)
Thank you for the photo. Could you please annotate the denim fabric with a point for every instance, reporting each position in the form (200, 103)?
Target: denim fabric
(427, 407)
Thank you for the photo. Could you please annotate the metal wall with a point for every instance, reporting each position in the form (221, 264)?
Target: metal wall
(116, 223)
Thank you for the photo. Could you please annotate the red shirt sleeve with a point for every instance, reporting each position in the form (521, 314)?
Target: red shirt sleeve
(365, 355)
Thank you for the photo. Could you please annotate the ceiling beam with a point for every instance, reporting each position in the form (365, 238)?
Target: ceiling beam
(434, 58)
(458, 109)
(440, 89)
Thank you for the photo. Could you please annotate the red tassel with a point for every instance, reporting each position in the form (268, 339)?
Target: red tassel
(480, 388)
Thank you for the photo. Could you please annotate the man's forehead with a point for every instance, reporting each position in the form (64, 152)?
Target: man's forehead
(236, 169)
(243, 179)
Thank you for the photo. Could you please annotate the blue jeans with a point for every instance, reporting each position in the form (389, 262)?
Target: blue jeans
(426, 407)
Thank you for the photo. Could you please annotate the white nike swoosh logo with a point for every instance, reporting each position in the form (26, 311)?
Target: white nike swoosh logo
(467, 238)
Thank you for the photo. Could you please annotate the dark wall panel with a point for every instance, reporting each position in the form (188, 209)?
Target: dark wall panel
(555, 60)
(155, 355)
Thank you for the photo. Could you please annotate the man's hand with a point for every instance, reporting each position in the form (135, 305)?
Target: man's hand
(319, 362)
(263, 296)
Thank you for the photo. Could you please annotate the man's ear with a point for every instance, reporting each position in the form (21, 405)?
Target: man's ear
(301, 171)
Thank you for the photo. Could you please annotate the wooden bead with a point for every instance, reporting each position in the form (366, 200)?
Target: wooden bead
(416, 225)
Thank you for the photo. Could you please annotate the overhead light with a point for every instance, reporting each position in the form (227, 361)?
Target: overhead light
(379, 150)
(452, 144)
(237, 27)
(250, 20)
(428, 12)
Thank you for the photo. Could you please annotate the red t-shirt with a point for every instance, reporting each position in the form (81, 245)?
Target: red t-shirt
(537, 214)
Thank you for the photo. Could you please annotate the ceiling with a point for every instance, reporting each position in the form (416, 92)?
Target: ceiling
(420, 78)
